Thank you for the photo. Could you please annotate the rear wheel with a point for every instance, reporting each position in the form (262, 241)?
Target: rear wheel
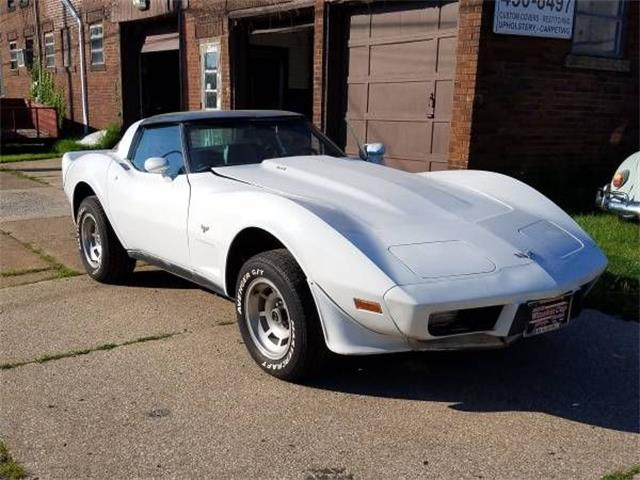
(102, 255)
(277, 317)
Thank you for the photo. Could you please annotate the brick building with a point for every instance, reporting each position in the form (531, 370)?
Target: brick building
(444, 84)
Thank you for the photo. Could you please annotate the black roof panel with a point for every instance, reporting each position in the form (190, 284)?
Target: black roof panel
(193, 116)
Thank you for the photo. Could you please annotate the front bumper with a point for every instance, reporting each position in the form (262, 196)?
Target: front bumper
(409, 307)
(617, 202)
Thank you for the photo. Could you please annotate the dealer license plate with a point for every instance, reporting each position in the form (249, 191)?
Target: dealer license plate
(548, 315)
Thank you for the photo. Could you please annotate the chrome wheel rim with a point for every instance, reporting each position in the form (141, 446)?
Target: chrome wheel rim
(90, 240)
(267, 318)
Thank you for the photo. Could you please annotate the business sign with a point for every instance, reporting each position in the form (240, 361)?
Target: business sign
(535, 18)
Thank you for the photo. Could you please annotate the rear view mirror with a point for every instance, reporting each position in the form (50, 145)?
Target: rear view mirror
(156, 165)
(374, 152)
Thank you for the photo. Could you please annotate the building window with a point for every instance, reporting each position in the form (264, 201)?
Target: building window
(28, 51)
(598, 28)
(49, 50)
(11, 4)
(65, 41)
(97, 48)
(16, 57)
(209, 62)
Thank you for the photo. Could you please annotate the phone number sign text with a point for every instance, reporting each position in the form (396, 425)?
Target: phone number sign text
(535, 18)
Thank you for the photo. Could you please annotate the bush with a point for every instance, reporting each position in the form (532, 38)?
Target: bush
(47, 92)
(109, 140)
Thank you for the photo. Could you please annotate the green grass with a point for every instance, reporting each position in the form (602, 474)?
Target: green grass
(24, 271)
(9, 468)
(75, 353)
(25, 157)
(60, 147)
(623, 474)
(618, 290)
(59, 269)
(20, 174)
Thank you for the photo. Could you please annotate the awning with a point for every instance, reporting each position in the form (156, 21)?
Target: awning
(161, 43)
(274, 8)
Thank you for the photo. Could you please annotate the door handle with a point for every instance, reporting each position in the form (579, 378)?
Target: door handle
(431, 112)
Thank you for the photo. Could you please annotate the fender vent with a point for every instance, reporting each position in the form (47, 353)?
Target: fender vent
(468, 320)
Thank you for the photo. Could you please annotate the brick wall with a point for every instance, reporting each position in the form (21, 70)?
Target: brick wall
(561, 129)
(103, 83)
(318, 63)
(469, 25)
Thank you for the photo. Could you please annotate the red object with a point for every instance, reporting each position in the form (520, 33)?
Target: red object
(620, 178)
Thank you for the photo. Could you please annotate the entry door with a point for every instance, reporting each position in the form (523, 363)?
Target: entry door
(149, 210)
(400, 80)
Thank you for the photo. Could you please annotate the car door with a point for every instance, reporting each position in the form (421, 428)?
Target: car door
(149, 210)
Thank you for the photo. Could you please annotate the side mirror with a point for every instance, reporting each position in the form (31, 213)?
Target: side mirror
(156, 165)
(374, 152)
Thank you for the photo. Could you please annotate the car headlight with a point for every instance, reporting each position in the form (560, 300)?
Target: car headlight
(620, 178)
(442, 259)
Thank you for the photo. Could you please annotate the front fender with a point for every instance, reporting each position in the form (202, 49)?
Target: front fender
(327, 258)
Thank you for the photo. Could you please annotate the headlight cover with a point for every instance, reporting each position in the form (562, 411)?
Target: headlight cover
(442, 259)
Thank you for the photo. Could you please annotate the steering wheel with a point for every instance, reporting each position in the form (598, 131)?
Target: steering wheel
(179, 152)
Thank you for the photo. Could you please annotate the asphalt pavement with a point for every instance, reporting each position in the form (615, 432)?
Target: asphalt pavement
(151, 380)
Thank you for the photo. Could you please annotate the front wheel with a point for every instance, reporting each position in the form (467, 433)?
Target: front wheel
(277, 317)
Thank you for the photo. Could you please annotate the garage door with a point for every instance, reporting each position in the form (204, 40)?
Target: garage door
(400, 80)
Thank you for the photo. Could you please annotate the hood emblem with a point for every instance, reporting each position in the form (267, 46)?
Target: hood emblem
(204, 228)
(525, 254)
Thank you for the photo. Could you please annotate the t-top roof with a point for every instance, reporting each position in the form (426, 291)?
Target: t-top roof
(200, 115)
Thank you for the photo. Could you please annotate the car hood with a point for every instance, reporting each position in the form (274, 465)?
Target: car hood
(432, 228)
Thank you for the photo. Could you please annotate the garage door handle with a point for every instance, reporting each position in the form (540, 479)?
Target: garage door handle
(432, 106)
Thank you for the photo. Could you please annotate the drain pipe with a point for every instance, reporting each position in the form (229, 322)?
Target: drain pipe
(83, 75)
(39, 51)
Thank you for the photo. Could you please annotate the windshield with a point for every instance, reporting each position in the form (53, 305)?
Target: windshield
(243, 142)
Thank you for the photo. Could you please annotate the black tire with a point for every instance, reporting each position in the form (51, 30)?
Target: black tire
(113, 264)
(306, 350)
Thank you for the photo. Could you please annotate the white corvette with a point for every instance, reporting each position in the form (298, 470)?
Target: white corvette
(321, 251)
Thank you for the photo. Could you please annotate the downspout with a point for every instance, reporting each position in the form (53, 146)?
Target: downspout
(39, 47)
(177, 4)
(83, 75)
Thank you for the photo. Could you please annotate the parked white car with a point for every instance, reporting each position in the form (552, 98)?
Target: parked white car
(622, 194)
(320, 251)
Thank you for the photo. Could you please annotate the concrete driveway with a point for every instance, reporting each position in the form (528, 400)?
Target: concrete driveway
(151, 380)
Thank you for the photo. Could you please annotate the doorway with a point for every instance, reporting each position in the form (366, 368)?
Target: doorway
(272, 60)
(150, 68)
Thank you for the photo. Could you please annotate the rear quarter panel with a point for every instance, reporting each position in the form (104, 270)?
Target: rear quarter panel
(89, 167)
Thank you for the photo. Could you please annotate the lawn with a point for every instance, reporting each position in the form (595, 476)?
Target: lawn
(23, 153)
(26, 156)
(618, 290)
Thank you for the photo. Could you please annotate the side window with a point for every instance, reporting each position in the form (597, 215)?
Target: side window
(160, 142)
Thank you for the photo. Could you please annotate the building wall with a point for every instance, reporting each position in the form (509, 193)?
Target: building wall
(560, 128)
(103, 83)
(469, 27)
(518, 107)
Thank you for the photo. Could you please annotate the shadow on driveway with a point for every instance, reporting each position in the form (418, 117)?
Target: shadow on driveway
(587, 373)
(158, 279)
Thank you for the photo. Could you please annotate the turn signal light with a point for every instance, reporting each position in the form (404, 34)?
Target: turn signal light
(367, 305)
(620, 178)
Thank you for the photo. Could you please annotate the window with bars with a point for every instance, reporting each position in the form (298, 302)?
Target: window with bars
(16, 56)
(209, 62)
(49, 50)
(598, 28)
(96, 36)
(65, 41)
